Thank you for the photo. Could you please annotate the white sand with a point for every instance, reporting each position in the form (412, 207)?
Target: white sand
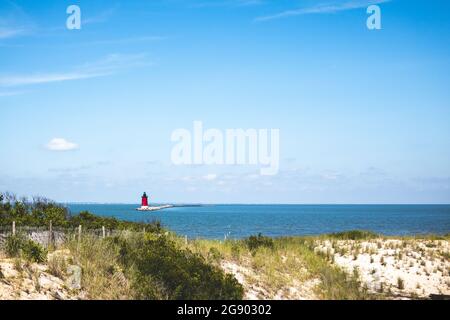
(408, 268)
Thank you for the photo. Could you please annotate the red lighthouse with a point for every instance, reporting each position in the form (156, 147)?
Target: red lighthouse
(144, 202)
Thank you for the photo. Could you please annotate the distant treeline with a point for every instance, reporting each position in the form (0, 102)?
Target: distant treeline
(39, 211)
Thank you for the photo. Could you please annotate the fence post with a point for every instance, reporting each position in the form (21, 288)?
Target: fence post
(103, 232)
(185, 240)
(50, 233)
(79, 238)
(143, 229)
(14, 228)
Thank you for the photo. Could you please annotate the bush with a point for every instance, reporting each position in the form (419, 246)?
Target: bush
(13, 245)
(33, 251)
(214, 255)
(102, 276)
(57, 266)
(235, 250)
(354, 235)
(161, 270)
(91, 221)
(18, 246)
(255, 242)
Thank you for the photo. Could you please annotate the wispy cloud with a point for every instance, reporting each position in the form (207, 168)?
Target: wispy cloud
(109, 65)
(14, 21)
(100, 17)
(10, 93)
(10, 32)
(321, 9)
(61, 144)
(80, 168)
(226, 3)
(44, 78)
(122, 40)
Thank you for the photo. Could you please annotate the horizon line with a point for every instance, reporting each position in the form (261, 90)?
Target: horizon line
(246, 203)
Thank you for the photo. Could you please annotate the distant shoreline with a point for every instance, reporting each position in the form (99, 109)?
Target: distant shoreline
(258, 204)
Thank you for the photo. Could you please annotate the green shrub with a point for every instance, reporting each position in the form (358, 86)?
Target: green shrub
(33, 251)
(161, 270)
(13, 245)
(91, 221)
(354, 235)
(214, 255)
(17, 246)
(57, 266)
(255, 242)
(235, 250)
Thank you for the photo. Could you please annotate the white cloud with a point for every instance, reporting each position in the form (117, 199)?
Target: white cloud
(109, 65)
(60, 144)
(321, 8)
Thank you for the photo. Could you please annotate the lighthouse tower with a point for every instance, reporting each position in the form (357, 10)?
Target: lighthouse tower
(145, 207)
(144, 202)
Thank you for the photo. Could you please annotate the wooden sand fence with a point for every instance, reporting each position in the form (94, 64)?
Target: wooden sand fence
(51, 236)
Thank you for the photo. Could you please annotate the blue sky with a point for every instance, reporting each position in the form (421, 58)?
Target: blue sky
(363, 114)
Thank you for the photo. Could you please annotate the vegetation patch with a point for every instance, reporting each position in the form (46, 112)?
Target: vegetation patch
(258, 241)
(354, 235)
(17, 246)
(162, 270)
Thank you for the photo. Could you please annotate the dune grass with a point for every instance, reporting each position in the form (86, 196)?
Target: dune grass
(102, 276)
(148, 266)
(284, 261)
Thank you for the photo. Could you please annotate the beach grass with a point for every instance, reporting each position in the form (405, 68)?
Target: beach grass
(151, 265)
(287, 263)
(102, 276)
(276, 266)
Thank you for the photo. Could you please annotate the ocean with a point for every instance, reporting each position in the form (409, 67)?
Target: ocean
(238, 221)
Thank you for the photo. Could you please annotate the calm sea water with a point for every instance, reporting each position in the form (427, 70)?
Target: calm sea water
(282, 220)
